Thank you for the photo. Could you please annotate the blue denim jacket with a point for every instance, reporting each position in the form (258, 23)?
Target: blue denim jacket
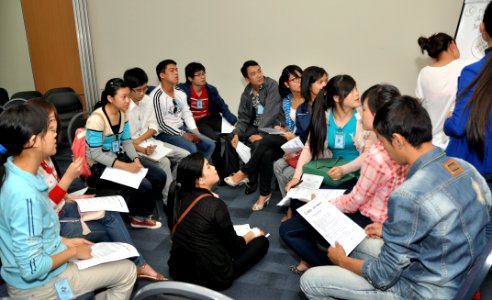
(435, 229)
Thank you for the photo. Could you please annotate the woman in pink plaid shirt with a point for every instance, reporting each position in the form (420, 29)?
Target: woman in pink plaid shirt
(366, 204)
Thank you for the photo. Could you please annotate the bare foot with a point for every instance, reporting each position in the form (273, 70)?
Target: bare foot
(287, 216)
(146, 271)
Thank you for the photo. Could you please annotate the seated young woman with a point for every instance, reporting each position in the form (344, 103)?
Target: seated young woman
(109, 144)
(35, 258)
(205, 248)
(312, 81)
(109, 226)
(367, 203)
(336, 131)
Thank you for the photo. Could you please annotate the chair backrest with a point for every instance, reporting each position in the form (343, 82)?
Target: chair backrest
(480, 268)
(177, 288)
(58, 90)
(26, 95)
(14, 102)
(65, 102)
(4, 96)
(1, 109)
(150, 88)
(76, 122)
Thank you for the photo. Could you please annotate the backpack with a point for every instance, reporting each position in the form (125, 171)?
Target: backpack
(78, 149)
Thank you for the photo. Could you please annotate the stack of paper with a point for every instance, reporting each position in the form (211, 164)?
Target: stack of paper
(226, 126)
(111, 203)
(160, 150)
(106, 252)
(124, 177)
(243, 151)
(293, 145)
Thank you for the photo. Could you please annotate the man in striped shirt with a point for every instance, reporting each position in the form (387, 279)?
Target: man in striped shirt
(176, 123)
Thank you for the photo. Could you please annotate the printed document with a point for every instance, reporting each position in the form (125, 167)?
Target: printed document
(124, 177)
(159, 152)
(226, 126)
(106, 252)
(293, 146)
(304, 191)
(111, 203)
(332, 224)
(243, 151)
(241, 230)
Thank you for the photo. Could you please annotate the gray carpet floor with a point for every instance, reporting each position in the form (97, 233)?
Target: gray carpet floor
(269, 279)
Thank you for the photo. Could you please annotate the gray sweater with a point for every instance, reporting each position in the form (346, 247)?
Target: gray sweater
(273, 113)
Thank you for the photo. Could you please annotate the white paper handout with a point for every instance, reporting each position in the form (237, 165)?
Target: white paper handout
(124, 177)
(271, 130)
(241, 230)
(293, 146)
(226, 126)
(106, 252)
(111, 203)
(159, 152)
(304, 191)
(332, 224)
(79, 192)
(243, 151)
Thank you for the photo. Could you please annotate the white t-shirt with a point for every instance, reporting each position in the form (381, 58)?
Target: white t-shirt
(436, 88)
(141, 117)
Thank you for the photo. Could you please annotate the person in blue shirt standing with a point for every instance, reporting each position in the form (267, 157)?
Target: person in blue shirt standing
(470, 125)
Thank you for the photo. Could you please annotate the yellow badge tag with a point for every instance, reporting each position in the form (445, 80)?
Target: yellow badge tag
(453, 167)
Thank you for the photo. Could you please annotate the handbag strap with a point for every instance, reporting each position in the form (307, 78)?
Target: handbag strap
(187, 211)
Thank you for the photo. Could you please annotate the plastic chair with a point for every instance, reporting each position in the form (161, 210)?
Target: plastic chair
(14, 103)
(26, 95)
(177, 288)
(76, 122)
(478, 271)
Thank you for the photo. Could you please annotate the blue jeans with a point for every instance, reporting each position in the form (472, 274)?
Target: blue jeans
(206, 145)
(110, 228)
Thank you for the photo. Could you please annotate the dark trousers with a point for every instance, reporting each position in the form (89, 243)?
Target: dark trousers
(263, 154)
(142, 201)
(255, 251)
(210, 126)
(301, 237)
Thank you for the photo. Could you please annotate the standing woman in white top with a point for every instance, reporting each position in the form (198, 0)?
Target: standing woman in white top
(437, 83)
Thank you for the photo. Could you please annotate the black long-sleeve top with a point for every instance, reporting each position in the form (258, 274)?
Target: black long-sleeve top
(204, 243)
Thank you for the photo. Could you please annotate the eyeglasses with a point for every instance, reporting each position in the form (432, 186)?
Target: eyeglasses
(295, 79)
(141, 89)
(200, 74)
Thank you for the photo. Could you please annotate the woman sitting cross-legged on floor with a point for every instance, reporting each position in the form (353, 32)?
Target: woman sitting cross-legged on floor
(101, 226)
(366, 204)
(205, 248)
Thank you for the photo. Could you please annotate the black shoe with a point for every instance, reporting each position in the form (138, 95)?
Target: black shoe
(250, 188)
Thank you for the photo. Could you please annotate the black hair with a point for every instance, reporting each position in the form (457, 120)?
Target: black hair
(135, 77)
(161, 67)
(246, 65)
(293, 70)
(341, 86)
(407, 117)
(378, 95)
(191, 69)
(189, 170)
(310, 76)
(487, 18)
(17, 125)
(435, 44)
(49, 107)
(111, 88)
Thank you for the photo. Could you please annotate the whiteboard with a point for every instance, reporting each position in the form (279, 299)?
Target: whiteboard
(468, 37)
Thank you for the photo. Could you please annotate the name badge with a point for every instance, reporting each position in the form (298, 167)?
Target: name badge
(260, 109)
(63, 290)
(339, 140)
(199, 104)
(115, 146)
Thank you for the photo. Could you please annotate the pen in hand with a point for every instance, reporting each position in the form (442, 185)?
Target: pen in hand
(295, 185)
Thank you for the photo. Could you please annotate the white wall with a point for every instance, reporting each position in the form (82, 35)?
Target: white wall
(374, 41)
(15, 64)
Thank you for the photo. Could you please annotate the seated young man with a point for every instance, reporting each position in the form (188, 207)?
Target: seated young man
(174, 117)
(143, 125)
(208, 109)
(436, 221)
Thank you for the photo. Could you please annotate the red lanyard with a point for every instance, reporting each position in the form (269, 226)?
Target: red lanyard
(49, 170)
